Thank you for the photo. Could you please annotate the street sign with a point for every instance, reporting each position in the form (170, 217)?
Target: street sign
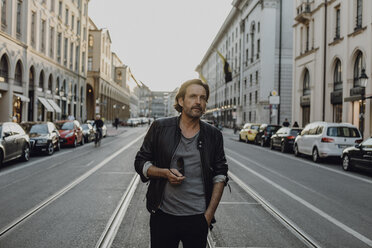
(274, 99)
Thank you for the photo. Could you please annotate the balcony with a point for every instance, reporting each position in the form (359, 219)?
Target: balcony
(304, 12)
(357, 91)
(336, 97)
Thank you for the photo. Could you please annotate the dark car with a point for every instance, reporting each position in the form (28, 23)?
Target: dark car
(88, 132)
(360, 154)
(264, 134)
(14, 142)
(284, 138)
(44, 136)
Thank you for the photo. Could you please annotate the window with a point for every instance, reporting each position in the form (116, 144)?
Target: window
(337, 77)
(42, 34)
(85, 9)
(90, 63)
(19, 18)
(18, 74)
(33, 31)
(258, 27)
(255, 97)
(59, 46)
(359, 14)
(60, 9)
(4, 69)
(337, 34)
(71, 54)
(57, 87)
(67, 15)
(250, 99)
(84, 33)
(51, 43)
(3, 13)
(246, 56)
(50, 83)
(72, 22)
(249, 116)
(307, 38)
(83, 62)
(306, 83)
(245, 100)
(258, 48)
(52, 5)
(77, 56)
(250, 79)
(358, 69)
(256, 77)
(252, 46)
(41, 80)
(65, 52)
(78, 27)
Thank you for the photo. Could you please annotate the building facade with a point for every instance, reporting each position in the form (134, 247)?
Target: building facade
(43, 47)
(332, 49)
(255, 40)
(107, 91)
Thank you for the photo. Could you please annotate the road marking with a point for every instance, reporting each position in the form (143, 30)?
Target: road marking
(306, 204)
(240, 203)
(55, 196)
(344, 173)
(116, 219)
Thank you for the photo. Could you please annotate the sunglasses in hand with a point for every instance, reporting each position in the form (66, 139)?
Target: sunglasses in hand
(180, 166)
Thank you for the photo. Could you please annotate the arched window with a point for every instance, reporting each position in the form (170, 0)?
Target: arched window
(18, 74)
(337, 76)
(4, 69)
(31, 77)
(50, 82)
(57, 86)
(358, 69)
(81, 93)
(65, 89)
(41, 80)
(306, 86)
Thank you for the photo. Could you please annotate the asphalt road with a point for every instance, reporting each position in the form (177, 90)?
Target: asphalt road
(77, 196)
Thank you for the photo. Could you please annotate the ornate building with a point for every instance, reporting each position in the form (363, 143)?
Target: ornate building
(43, 47)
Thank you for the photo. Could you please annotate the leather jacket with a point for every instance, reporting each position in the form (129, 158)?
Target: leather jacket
(159, 146)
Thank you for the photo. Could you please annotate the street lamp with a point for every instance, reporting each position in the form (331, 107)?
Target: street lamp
(363, 82)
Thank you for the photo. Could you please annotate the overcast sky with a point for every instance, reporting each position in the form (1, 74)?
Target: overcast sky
(162, 41)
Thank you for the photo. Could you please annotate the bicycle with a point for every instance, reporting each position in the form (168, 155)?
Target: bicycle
(97, 140)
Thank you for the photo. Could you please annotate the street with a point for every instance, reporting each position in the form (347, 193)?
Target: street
(92, 197)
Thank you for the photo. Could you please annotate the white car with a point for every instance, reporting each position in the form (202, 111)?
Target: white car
(325, 139)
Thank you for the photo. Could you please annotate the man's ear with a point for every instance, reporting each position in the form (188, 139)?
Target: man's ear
(180, 101)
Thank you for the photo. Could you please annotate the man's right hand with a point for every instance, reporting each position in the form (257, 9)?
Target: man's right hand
(174, 176)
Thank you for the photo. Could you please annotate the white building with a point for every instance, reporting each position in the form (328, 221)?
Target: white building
(256, 41)
(332, 46)
(43, 47)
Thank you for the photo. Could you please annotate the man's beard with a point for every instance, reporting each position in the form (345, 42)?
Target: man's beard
(194, 114)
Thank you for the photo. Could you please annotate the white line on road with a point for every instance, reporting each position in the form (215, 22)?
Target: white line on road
(307, 204)
(55, 196)
(240, 203)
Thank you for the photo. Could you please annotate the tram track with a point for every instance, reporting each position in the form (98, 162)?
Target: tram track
(28, 214)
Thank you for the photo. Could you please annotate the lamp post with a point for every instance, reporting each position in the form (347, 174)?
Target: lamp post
(363, 82)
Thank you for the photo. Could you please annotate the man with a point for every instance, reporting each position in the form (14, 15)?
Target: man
(286, 123)
(184, 160)
(99, 124)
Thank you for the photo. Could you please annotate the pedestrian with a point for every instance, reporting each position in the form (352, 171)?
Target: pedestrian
(285, 123)
(184, 160)
(116, 122)
(295, 124)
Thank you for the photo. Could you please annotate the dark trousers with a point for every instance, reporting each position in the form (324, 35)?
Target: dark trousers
(168, 230)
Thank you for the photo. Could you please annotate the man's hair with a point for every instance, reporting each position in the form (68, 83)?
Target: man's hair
(182, 91)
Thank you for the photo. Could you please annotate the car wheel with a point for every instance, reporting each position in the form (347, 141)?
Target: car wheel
(282, 148)
(295, 151)
(75, 142)
(346, 164)
(271, 145)
(315, 155)
(82, 142)
(26, 153)
(50, 149)
(58, 146)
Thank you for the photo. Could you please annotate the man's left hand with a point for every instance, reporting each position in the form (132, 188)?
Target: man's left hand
(208, 218)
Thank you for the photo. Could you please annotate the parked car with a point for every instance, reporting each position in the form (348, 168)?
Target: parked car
(14, 143)
(70, 132)
(284, 139)
(104, 128)
(88, 132)
(248, 132)
(358, 155)
(133, 122)
(325, 139)
(264, 134)
(44, 136)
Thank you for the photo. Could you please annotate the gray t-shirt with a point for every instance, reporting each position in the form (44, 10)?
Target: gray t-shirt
(188, 198)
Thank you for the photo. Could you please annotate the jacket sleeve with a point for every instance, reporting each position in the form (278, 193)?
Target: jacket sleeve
(220, 162)
(146, 152)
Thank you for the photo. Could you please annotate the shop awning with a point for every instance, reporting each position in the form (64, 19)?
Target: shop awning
(55, 106)
(46, 104)
(22, 97)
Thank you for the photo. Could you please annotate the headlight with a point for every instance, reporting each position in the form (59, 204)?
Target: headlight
(69, 135)
(42, 141)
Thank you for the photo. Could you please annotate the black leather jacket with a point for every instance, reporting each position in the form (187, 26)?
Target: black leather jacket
(159, 146)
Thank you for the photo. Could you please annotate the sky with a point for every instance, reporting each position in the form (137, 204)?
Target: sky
(162, 41)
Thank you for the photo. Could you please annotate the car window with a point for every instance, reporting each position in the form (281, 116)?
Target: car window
(17, 129)
(6, 129)
(255, 127)
(367, 143)
(272, 128)
(295, 132)
(319, 130)
(39, 128)
(313, 130)
(348, 132)
(67, 126)
(306, 129)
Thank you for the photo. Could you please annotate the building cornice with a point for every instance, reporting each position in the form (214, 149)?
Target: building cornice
(307, 53)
